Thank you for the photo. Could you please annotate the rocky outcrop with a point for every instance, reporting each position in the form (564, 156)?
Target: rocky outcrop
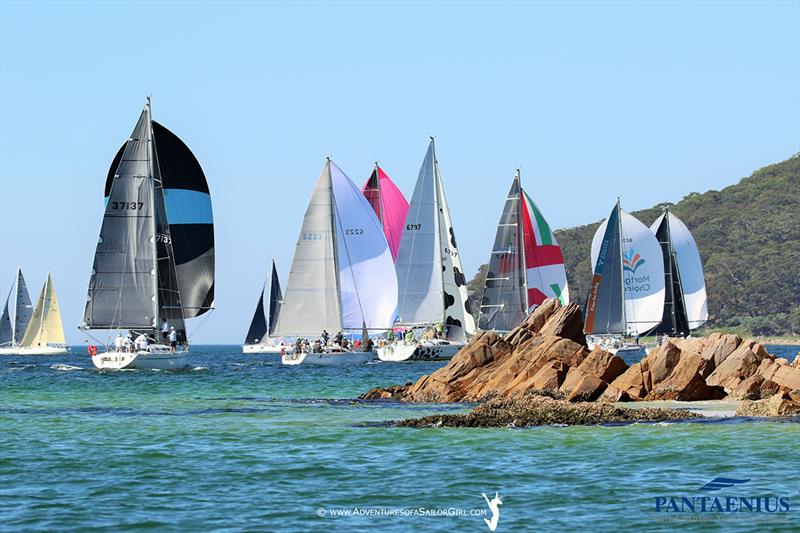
(783, 404)
(535, 410)
(548, 351)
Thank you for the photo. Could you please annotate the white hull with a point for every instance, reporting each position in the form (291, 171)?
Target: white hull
(35, 350)
(265, 348)
(616, 346)
(426, 350)
(329, 359)
(156, 357)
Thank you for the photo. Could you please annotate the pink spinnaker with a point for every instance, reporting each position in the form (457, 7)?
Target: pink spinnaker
(389, 204)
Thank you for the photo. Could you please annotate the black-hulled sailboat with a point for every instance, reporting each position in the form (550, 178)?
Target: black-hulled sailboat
(154, 263)
(259, 337)
(685, 301)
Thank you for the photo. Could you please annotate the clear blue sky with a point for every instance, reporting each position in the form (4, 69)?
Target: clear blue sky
(648, 101)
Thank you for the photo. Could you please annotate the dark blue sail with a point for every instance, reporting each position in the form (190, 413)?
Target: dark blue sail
(605, 311)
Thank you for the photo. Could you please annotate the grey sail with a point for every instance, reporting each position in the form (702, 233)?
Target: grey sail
(23, 308)
(312, 303)
(123, 283)
(275, 300)
(504, 302)
(605, 307)
(6, 334)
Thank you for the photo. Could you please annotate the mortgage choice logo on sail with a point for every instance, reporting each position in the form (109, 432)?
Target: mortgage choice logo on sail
(491, 517)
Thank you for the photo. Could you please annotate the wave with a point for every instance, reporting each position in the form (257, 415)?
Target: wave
(60, 366)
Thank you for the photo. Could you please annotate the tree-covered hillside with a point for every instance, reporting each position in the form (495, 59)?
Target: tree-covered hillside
(749, 240)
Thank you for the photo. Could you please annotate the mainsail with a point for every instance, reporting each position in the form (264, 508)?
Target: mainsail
(11, 332)
(432, 285)
(526, 265)
(627, 292)
(389, 204)
(685, 301)
(187, 203)
(258, 325)
(342, 275)
(154, 259)
(505, 302)
(45, 326)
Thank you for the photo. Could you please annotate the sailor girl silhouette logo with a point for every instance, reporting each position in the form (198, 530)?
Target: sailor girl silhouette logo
(494, 506)
(631, 261)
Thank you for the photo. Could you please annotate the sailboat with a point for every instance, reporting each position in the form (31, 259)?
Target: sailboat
(34, 331)
(342, 276)
(259, 337)
(626, 297)
(389, 204)
(154, 262)
(685, 301)
(525, 267)
(431, 282)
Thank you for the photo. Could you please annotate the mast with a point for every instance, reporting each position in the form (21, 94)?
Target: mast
(380, 195)
(521, 240)
(335, 241)
(151, 154)
(621, 269)
(437, 205)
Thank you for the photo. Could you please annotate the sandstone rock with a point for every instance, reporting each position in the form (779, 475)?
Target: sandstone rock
(604, 365)
(784, 404)
(634, 381)
(749, 389)
(796, 362)
(685, 382)
(566, 322)
(662, 360)
(613, 394)
(587, 389)
(738, 366)
(719, 346)
(549, 376)
(787, 377)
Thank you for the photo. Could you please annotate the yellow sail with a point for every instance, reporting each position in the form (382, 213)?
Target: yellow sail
(45, 326)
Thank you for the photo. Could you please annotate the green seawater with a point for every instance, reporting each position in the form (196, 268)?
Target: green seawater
(240, 444)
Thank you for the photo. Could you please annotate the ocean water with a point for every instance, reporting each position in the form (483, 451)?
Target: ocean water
(239, 444)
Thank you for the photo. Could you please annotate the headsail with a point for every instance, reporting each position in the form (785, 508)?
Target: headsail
(258, 325)
(367, 279)
(627, 293)
(546, 274)
(275, 299)
(6, 332)
(432, 285)
(504, 302)
(685, 302)
(389, 204)
(23, 308)
(45, 326)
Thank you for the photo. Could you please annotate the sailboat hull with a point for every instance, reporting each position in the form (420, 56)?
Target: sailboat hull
(422, 351)
(156, 357)
(55, 349)
(329, 359)
(265, 348)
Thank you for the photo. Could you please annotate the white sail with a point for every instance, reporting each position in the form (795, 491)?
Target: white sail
(311, 302)
(419, 259)
(367, 279)
(642, 273)
(458, 321)
(45, 326)
(690, 269)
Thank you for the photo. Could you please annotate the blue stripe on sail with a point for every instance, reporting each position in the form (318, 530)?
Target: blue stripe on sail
(188, 207)
(185, 206)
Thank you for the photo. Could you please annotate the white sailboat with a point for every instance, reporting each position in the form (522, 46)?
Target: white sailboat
(154, 263)
(34, 331)
(431, 283)
(342, 276)
(627, 293)
(260, 337)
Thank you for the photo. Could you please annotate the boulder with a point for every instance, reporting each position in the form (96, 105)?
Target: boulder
(719, 346)
(786, 377)
(613, 394)
(550, 376)
(749, 389)
(635, 381)
(603, 365)
(738, 366)
(662, 360)
(685, 382)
